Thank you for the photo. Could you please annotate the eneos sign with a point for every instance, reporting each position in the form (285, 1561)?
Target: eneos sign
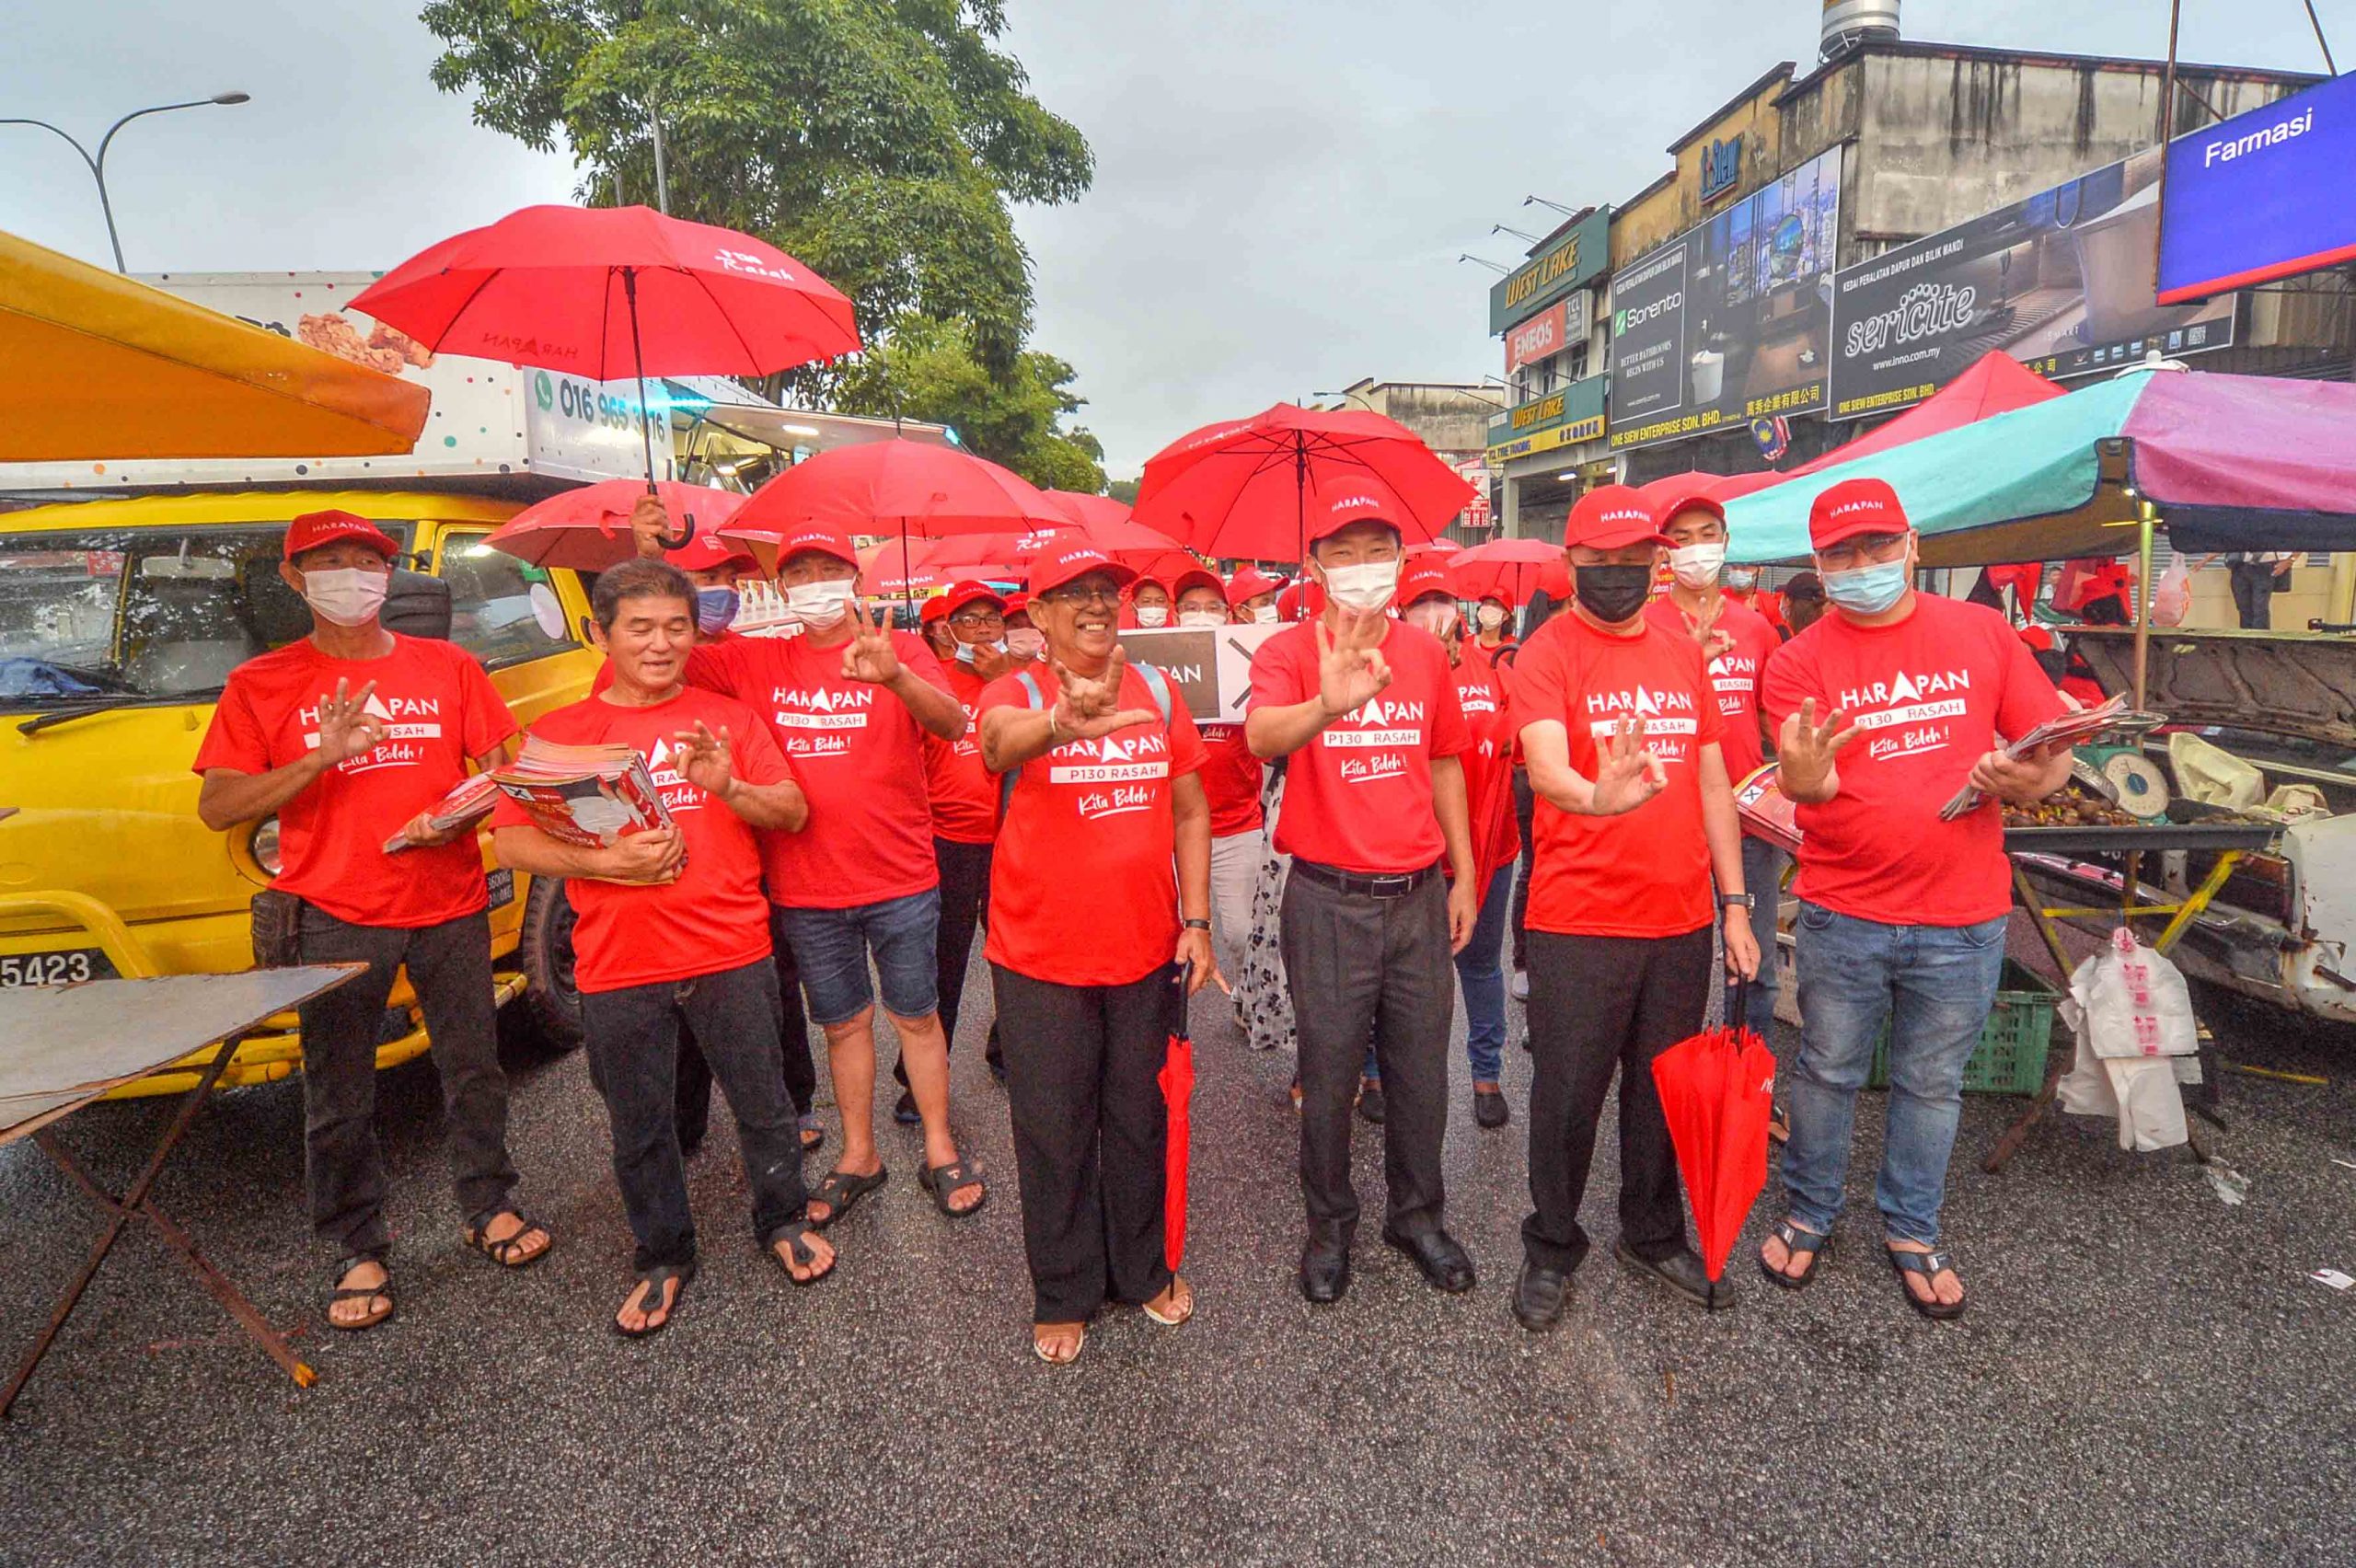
(2264, 195)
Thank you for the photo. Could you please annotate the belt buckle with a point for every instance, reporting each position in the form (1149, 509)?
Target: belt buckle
(1391, 885)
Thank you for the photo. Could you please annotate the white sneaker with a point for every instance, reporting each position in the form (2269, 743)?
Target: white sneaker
(1521, 985)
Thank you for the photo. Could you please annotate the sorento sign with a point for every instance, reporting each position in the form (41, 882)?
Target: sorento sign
(1570, 260)
(2264, 195)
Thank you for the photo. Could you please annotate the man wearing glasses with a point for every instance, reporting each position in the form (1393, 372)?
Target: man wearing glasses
(964, 802)
(1885, 707)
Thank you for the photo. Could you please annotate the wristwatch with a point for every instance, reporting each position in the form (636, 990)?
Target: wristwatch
(1199, 925)
(1738, 901)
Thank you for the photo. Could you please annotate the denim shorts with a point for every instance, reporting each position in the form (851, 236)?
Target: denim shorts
(832, 946)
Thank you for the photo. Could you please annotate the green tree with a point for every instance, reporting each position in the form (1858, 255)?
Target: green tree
(1122, 490)
(880, 141)
(929, 370)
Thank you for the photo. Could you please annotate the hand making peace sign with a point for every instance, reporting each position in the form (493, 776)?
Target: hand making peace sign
(1627, 772)
(870, 656)
(346, 726)
(1086, 709)
(1350, 667)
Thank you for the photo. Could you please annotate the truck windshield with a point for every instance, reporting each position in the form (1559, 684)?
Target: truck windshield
(138, 613)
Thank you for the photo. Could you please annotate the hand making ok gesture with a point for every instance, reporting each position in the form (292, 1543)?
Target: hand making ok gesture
(346, 726)
(1350, 667)
(1627, 772)
(1807, 749)
(870, 656)
(1086, 709)
(706, 760)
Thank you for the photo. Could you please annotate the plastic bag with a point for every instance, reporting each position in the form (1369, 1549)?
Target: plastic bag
(2211, 775)
(2128, 1002)
(2172, 595)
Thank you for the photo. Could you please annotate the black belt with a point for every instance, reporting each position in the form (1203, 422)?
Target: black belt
(1398, 884)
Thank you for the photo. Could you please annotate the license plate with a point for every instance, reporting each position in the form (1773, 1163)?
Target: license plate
(502, 884)
(62, 968)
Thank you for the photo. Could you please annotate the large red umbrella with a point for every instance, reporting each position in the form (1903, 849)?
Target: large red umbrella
(1177, 1080)
(1717, 1091)
(909, 487)
(1085, 509)
(907, 566)
(588, 529)
(1241, 489)
(1509, 569)
(609, 291)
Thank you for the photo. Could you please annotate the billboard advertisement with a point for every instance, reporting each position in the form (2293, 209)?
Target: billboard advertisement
(1549, 333)
(1731, 320)
(1571, 259)
(2061, 281)
(2264, 195)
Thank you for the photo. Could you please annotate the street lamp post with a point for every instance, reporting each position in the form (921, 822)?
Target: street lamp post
(99, 162)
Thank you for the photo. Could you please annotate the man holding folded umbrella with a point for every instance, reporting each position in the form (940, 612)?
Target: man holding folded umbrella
(1634, 819)
(1364, 710)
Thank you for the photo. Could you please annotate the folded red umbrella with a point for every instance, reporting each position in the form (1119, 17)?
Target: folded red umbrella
(1717, 1091)
(1177, 1079)
(1510, 569)
(1241, 489)
(588, 529)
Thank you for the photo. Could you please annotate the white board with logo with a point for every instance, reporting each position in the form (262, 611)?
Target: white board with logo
(1210, 666)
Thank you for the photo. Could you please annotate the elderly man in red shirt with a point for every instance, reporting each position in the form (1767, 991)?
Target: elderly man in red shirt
(1888, 706)
(1365, 708)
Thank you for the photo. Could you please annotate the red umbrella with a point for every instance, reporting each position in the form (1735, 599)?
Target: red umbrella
(906, 566)
(609, 291)
(1717, 1091)
(1085, 509)
(1177, 1080)
(909, 487)
(1240, 489)
(588, 529)
(1509, 569)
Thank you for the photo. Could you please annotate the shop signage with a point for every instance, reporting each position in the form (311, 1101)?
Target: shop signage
(2061, 281)
(1572, 261)
(1721, 167)
(1732, 321)
(2264, 195)
(1549, 333)
(1562, 418)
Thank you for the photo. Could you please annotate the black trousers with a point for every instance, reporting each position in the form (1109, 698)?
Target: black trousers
(691, 1102)
(343, 1167)
(633, 1049)
(1090, 1130)
(2253, 583)
(964, 908)
(1598, 1004)
(1360, 967)
(1524, 806)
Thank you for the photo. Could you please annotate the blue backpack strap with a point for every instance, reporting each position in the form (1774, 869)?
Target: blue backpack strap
(1159, 685)
(1035, 699)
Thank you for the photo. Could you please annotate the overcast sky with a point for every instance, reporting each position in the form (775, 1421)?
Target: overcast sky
(1281, 189)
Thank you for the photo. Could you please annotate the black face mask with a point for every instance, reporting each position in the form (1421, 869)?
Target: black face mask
(1613, 593)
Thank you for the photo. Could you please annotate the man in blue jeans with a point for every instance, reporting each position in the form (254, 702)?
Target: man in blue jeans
(1886, 708)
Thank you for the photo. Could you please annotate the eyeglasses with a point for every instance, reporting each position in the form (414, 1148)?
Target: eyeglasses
(1082, 596)
(1862, 549)
(977, 620)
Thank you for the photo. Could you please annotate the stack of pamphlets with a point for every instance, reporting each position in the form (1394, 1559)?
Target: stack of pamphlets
(589, 796)
(1766, 811)
(470, 801)
(2080, 724)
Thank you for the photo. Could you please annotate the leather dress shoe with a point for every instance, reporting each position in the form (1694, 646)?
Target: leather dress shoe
(1540, 1296)
(1324, 1273)
(1489, 1108)
(1446, 1264)
(1682, 1272)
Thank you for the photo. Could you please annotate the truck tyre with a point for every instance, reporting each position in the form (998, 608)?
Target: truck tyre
(551, 1001)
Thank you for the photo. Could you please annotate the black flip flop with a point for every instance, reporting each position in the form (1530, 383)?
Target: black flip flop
(1816, 1250)
(360, 1293)
(942, 1180)
(507, 1251)
(803, 1253)
(840, 1190)
(1930, 1265)
(658, 1276)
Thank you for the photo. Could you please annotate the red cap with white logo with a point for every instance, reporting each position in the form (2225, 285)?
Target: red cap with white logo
(820, 538)
(971, 591)
(1249, 583)
(1610, 516)
(1423, 573)
(1351, 498)
(1061, 563)
(1853, 507)
(707, 551)
(313, 529)
(1197, 577)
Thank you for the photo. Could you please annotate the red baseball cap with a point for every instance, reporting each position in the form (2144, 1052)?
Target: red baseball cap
(969, 592)
(708, 550)
(1061, 563)
(1249, 583)
(1853, 507)
(1301, 600)
(816, 537)
(1352, 498)
(1017, 605)
(935, 609)
(1610, 516)
(1689, 501)
(1426, 573)
(2037, 638)
(1195, 577)
(313, 529)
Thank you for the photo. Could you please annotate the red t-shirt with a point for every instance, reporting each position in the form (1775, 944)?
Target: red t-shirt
(1645, 872)
(438, 709)
(713, 917)
(1481, 692)
(1931, 695)
(1231, 780)
(1084, 884)
(856, 752)
(964, 793)
(1358, 796)
(1734, 675)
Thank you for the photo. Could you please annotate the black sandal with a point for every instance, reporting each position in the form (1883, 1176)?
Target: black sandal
(804, 1255)
(840, 1190)
(650, 1301)
(1930, 1265)
(360, 1293)
(942, 1180)
(1819, 1248)
(507, 1252)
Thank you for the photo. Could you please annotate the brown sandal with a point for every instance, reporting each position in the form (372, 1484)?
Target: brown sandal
(343, 1271)
(507, 1251)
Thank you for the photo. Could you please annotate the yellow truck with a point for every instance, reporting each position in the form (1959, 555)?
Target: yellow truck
(120, 621)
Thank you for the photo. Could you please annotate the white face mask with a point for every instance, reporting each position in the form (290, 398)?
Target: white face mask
(1697, 566)
(1025, 641)
(1491, 617)
(1438, 620)
(1365, 587)
(820, 605)
(1153, 615)
(347, 597)
(1264, 614)
(1199, 619)
(1742, 579)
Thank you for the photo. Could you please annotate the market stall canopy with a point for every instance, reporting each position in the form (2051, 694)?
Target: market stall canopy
(2228, 461)
(94, 365)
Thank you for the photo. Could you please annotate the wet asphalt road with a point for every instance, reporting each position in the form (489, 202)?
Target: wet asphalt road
(2145, 1375)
